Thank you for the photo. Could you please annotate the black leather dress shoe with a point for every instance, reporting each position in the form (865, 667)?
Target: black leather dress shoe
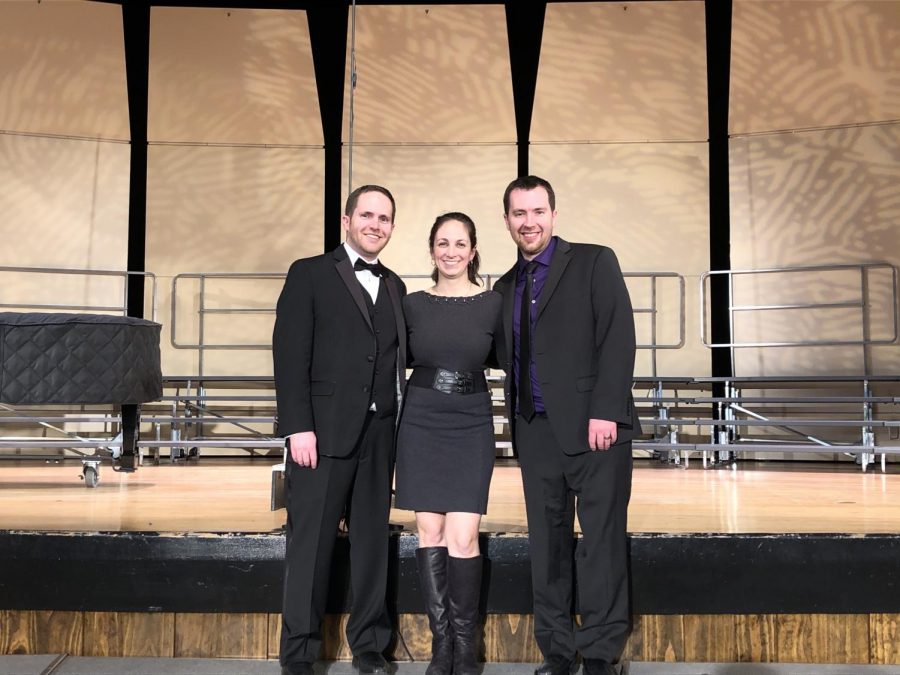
(599, 667)
(557, 665)
(301, 668)
(369, 663)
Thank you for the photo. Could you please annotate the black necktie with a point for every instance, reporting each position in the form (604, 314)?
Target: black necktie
(375, 268)
(526, 395)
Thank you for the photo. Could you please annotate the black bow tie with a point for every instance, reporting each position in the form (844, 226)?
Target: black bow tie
(375, 268)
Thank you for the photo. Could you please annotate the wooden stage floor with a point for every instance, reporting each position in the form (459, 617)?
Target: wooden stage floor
(213, 495)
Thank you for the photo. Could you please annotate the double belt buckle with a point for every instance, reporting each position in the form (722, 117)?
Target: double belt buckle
(453, 382)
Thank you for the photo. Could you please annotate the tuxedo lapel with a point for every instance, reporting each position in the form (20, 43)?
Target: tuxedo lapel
(345, 270)
(558, 264)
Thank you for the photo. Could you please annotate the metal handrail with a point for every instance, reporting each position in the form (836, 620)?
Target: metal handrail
(862, 303)
(202, 311)
(654, 311)
(123, 308)
(201, 346)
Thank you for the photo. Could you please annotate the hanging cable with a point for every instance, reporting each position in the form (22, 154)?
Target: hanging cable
(352, 92)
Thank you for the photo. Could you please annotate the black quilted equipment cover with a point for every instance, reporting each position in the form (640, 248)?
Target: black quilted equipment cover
(78, 358)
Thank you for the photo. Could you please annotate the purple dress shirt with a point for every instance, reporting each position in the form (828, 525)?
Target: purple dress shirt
(540, 278)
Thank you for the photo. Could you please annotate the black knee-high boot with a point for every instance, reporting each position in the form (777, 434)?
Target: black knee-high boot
(464, 588)
(432, 563)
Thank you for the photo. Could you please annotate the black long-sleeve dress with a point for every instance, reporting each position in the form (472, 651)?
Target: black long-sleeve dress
(445, 442)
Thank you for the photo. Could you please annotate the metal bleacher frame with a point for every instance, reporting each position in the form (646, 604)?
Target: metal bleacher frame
(724, 425)
(731, 414)
(680, 415)
(729, 430)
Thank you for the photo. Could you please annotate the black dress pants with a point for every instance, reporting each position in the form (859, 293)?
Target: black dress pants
(596, 485)
(316, 499)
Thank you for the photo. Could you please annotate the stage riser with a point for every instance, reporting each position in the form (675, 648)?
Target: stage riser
(760, 638)
(670, 574)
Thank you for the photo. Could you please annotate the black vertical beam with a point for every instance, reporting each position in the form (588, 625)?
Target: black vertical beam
(718, 71)
(136, 30)
(328, 36)
(524, 29)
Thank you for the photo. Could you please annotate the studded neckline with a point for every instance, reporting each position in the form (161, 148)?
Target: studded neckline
(431, 297)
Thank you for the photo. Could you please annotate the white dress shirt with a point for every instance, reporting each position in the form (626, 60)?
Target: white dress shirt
(368, 280)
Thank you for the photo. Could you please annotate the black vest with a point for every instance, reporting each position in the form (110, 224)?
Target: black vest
(384, 376)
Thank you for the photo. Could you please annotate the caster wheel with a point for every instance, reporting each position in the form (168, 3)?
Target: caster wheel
(91, 476)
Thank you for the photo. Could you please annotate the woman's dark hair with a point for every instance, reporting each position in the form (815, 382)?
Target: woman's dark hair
(473, 240)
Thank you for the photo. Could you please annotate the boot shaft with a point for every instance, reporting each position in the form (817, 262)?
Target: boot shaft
(464, 590)
(432, 564)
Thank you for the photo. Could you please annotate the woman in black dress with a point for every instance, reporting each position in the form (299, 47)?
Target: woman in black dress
(445, 441)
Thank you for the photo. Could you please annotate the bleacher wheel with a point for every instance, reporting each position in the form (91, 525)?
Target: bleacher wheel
(91, 476)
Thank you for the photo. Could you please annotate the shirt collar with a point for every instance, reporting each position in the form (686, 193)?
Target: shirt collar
(353, 255)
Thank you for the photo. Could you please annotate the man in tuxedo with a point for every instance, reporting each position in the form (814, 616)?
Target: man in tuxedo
(339, 350)
(568, 351)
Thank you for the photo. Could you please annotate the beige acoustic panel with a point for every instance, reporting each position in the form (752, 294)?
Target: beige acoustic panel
(622, 72)
(64, 203)
(429, 181)
(233, 76)
(62, 69)
(437, 74)
(255, 362)
(228, 210)
(650, 203)
(797, 65)
(817, 198)
(884, 359)
(803, 360)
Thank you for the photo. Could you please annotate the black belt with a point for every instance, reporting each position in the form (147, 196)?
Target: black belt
(449, 381)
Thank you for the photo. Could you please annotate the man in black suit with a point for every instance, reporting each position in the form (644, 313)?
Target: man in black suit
(568, 351)
(339, 349)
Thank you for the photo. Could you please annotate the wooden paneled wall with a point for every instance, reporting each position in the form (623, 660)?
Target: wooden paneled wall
(782, 638)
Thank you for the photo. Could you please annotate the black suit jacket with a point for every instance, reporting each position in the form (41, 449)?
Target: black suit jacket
(322, 346)
(584, 344)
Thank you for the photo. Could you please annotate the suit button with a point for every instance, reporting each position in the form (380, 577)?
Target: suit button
(370, 359)
(366, 388)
